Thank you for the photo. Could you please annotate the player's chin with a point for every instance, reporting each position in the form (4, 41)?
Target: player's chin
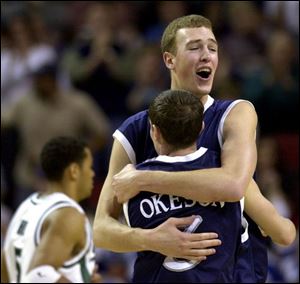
(204, 89)
(204, 86)
(88, 192)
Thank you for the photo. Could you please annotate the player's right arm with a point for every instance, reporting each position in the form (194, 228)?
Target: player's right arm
(281, 230)
(63, 232)
(167, 239)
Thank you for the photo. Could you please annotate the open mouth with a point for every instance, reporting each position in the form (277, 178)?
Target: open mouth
(204, 74)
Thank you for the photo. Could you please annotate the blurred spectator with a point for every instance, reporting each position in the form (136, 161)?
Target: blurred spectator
(21, 56)
(283, 14)
(244, 41)
(225, 84)
(47, 112)
(166, 12)
(6, 212)
(90, 62)
(273, 87)
(150, 79)
(115, 267)
(6, 215)
(214, 10)
(269, 180)
(128, 39)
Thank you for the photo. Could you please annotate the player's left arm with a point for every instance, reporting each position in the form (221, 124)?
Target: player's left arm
(226, 183)
(4, 272)
(281, 230)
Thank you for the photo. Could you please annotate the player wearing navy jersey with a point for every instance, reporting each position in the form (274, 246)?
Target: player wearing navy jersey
(190, 52)
(49, 239)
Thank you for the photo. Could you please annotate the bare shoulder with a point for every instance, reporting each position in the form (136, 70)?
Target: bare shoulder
(242, 108)
(119, 158)
(241, 117)
(62, 236)
(66, 219)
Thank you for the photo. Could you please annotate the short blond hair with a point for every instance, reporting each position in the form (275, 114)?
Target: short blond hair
(168, 41)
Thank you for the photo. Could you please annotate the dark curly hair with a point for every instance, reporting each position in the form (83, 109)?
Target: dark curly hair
(59, 153)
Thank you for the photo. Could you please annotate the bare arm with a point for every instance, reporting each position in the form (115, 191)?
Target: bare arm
(57, 245)
(4, 272)
(167, 239)
(227, 183)
(281, 230)
(108, 231)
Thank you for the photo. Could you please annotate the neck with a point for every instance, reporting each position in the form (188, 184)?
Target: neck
(204, 99)
(179, 152)
(62, 187)
(176, 86)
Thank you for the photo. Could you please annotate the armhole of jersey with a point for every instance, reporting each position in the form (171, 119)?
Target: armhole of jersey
(221, 124)
(125, 211)
(55, 206)
(85, 250)
(126, 145)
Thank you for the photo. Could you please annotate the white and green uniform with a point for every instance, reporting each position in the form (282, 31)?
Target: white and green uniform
(24, 232)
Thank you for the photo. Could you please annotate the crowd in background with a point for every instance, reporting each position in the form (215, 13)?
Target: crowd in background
(82, 67)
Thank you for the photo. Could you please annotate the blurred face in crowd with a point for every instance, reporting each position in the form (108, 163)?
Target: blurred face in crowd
(194, 65)
(280, 52)
(45, 85)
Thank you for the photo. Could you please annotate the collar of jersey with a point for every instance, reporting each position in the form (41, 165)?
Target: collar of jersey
(187, 158)
(208, 103)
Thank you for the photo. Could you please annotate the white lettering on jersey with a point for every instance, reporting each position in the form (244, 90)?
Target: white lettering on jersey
(189, 204)
(172, 200)
(155, 205)
(157, 202)
(144, 213)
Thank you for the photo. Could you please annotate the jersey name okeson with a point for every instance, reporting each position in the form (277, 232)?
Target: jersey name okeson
(158, 204)
(24, 234)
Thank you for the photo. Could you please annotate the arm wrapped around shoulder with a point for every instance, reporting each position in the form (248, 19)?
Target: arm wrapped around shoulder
(42, 274)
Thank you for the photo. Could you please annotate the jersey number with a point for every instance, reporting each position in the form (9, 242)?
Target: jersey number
(18, 251)
(178, 264)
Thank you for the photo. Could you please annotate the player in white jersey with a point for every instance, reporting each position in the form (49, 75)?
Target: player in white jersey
(49, 239)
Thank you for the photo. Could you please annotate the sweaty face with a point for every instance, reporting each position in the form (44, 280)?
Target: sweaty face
(86, 180)
(195, 63)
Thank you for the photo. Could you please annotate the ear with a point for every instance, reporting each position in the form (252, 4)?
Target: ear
(203, 125)
(169, 60)
(157, 134)
(73, 171)
(153, 132)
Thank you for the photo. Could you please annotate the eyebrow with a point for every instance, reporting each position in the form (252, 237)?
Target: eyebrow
(200, 40)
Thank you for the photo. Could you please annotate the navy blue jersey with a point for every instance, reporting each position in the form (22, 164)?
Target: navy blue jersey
(148, 210)
(134, 135)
